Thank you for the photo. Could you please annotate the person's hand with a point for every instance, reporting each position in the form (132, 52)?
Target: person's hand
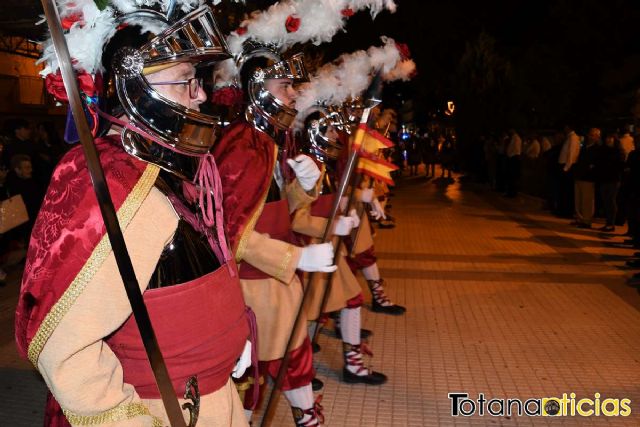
(376, 210)
(243, 362)
(366, 195)
(306, 171)
(317, 257)
(354, 216)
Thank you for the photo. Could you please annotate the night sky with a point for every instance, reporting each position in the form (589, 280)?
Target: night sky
(549, 61)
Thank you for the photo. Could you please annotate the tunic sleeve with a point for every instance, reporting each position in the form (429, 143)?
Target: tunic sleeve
(274, 257)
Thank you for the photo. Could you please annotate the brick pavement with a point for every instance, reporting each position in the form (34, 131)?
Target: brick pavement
(502, 299)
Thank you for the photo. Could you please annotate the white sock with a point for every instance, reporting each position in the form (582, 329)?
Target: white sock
(301, 397)
(350, 324)
(371, 272)
(248, 413)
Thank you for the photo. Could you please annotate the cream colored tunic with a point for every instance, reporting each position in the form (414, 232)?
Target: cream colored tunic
(275, 300)
(81, 370)
(344, 285)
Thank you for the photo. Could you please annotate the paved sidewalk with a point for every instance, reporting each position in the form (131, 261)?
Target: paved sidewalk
(501, 298)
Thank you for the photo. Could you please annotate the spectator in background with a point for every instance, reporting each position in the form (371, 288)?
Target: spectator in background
(533, 148)
(584, 174)
(545, 144)
(568, 155)
(20, 181)
(447, 154)
(608, 172)
(430, 156)
(19, 141)
(513, 153)
(626, 142)
(52, 148)
(413, 154)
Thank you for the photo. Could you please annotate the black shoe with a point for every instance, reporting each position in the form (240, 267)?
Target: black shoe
(374, 378)
(394, 309)
(607, 229)
(364, 333)
(386, 224)
(315, 347)
(316, 385)
(634, 263)
(585, 226)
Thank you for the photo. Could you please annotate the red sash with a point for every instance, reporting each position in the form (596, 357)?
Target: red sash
(323, 205)
(201, 329)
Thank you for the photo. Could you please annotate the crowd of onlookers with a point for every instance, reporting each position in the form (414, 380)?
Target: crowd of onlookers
(578, 176)
(414, 148)
(28, 154)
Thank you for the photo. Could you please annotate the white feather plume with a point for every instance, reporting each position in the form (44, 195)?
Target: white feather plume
(85, 41)
(403, 70)
(87, 37)
(320, 20)
(351, 74)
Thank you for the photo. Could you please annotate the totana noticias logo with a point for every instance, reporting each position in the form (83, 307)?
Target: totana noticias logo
(566, 406)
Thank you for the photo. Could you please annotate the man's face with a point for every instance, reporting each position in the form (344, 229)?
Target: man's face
(24, 170)
(178, 93)
(332, 133)
(283, 90)
(594, 135)
(23, 133)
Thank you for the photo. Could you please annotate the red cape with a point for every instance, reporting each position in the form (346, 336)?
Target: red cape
(66, 232)
(246, 158)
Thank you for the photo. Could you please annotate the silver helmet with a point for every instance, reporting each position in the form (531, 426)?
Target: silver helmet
(266, 112)
(317, 141)
(181, 133)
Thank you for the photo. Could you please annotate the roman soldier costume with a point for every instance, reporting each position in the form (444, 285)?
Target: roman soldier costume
(73, 319)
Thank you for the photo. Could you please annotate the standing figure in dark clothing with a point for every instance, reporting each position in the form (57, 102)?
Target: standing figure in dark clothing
(20, 181)
(584, 179)
(608, 172)
(430, 155)
(446, 156)
(413, 154)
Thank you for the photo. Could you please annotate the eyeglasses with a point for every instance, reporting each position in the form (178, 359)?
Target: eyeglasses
(194, 84)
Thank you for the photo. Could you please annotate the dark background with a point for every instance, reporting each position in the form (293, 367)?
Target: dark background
(510, 63)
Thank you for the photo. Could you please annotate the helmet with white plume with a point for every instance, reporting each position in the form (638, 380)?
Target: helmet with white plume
(121, 45)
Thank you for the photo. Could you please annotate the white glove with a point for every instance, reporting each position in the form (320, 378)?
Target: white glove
(376, 210)
(244, 362)
(354, 216)
(345, 224)
(317, 258)
(366, 195)
(306, 171)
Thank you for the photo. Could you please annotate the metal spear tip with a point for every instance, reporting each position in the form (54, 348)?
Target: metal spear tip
(373, 95)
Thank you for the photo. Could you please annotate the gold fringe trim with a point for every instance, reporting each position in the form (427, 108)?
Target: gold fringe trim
(119, 413)
(93, 264)
(242, 244)
(284, 264)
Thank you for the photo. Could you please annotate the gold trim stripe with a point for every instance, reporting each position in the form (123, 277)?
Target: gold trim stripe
(95, 261)
(242, 244)
(124, 411)
(284, 264)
